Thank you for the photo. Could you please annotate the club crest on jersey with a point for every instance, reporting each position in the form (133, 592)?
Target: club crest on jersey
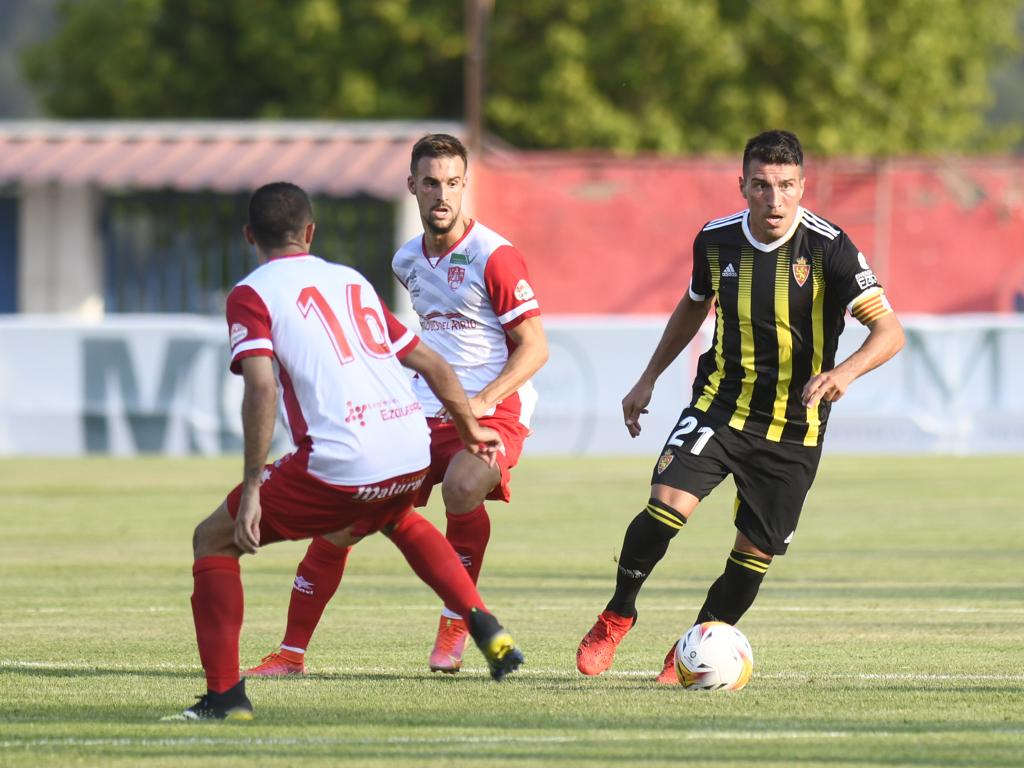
(523, 291)
(238, 332)
(664, 461)
(801, 270)
(455, 277)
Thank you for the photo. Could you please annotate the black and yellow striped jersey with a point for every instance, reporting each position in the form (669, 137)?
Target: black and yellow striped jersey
(779, 310)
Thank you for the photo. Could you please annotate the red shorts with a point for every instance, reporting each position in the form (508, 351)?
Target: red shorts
(445, 443)
(295, 505)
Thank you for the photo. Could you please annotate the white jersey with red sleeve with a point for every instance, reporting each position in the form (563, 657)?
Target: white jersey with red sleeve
(348, 401)
(467, 300)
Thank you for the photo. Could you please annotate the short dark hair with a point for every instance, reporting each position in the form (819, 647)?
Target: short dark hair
(278, 212)
(774, 148)
(438, 145)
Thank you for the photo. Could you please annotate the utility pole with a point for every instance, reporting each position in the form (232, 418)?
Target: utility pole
(477, 16)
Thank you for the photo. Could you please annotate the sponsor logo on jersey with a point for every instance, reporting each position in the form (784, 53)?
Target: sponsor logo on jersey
(729, 271)
(387, 414)
(455, 277)
(862, 261)
(303, 586)
(866, 279)
(801, 271)
(447, 321)
(788, 538)
(461, 258)
(356, 413)
(523, 291)
(238, 332)
(376, 492)
(664, 461)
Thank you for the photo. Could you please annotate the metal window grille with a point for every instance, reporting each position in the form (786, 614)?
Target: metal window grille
(182, 252)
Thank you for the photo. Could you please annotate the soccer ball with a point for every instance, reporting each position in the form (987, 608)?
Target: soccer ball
(714, 656)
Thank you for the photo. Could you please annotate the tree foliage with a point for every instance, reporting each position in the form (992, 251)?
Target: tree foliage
(850, 76)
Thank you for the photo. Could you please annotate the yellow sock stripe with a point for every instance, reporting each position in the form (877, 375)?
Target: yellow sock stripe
(753, 565)
(662, 515)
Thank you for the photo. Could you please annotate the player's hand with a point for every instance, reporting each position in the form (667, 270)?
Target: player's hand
(634, 405)
(247, 521)
(828, 386)
(485, 443)
(478, 407)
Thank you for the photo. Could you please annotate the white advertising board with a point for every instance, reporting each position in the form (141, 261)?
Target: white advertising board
(160, 384)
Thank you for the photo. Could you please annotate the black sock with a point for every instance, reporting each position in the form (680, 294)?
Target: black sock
(646, 542)
(734, 591)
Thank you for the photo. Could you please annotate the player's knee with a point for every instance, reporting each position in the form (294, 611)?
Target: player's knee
(201, 538)
(463, 492)
(214, 535)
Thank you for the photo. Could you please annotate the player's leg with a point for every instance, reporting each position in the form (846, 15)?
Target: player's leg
(644, 545)
(432, 559)
(772, 481)
(316, 581)
(690, 466)
(467, 481)
(217, 609)
(732, 593)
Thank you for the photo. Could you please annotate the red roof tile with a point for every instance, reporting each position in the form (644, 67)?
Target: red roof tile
(338, 159)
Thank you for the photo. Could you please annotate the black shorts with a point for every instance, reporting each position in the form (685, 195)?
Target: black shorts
(772, 479)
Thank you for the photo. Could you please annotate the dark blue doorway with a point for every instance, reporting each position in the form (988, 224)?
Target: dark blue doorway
(8, 255)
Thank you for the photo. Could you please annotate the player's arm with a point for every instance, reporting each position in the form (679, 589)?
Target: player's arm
(529, 355)
(442, 380)
(885, 339)
(259, 415)
(682, 326)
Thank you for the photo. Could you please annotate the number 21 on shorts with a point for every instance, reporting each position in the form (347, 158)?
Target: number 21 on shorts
(687, 426)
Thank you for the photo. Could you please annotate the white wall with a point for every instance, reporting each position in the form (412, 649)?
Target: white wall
(60, 257)
(127, 384)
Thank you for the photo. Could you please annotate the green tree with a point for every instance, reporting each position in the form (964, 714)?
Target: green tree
(252, 58)
(850, 76)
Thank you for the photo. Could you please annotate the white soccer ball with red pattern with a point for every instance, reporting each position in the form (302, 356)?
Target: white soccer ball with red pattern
(714, 656)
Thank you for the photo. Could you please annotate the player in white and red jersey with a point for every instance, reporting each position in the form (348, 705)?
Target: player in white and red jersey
(319, 331)
(476, 307)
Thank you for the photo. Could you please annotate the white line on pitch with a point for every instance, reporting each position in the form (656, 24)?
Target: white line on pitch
(525, 671)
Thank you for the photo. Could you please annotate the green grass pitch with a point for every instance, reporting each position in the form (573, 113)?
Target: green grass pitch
(891, 635)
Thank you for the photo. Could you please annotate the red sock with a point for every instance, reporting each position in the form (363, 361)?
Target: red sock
(316, 580)
(217, 608)
(468, 534)
(434, 561)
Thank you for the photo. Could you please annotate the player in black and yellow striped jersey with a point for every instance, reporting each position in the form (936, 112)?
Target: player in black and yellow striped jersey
(780, 279)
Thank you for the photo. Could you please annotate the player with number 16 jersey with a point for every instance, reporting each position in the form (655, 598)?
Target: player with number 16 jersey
(370, 427)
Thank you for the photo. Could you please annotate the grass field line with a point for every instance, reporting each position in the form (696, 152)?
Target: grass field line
(603, 736)
(527, 672)
(765, 608)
